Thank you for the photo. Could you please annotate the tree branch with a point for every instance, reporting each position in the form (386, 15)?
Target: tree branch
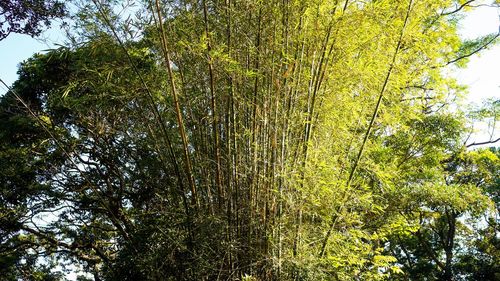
(475, 51)
(459, 8)
(482, 143)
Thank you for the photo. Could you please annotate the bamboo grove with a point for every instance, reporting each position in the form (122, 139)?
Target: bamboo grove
(247, 140)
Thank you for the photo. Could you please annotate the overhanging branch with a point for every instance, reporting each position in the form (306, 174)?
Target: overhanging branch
(483, 143)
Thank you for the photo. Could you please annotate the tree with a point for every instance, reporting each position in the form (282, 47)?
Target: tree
(480, 259)
(448, 201)
(28, 16)
(57, 143)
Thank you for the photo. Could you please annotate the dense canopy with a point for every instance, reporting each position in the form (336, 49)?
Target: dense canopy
(248, 140)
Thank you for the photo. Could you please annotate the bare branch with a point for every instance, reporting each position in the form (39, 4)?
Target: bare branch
(458, 9)
(483, 143)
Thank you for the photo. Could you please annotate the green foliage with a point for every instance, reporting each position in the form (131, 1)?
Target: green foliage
(28, 17)
(252, 140)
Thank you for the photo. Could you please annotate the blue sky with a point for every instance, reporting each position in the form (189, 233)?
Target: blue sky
(18, 47)
(482, 74)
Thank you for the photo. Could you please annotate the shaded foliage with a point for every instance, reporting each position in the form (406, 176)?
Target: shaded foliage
(28, 16)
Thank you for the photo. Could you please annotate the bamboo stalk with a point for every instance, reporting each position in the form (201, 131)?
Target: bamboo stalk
(182, 132)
